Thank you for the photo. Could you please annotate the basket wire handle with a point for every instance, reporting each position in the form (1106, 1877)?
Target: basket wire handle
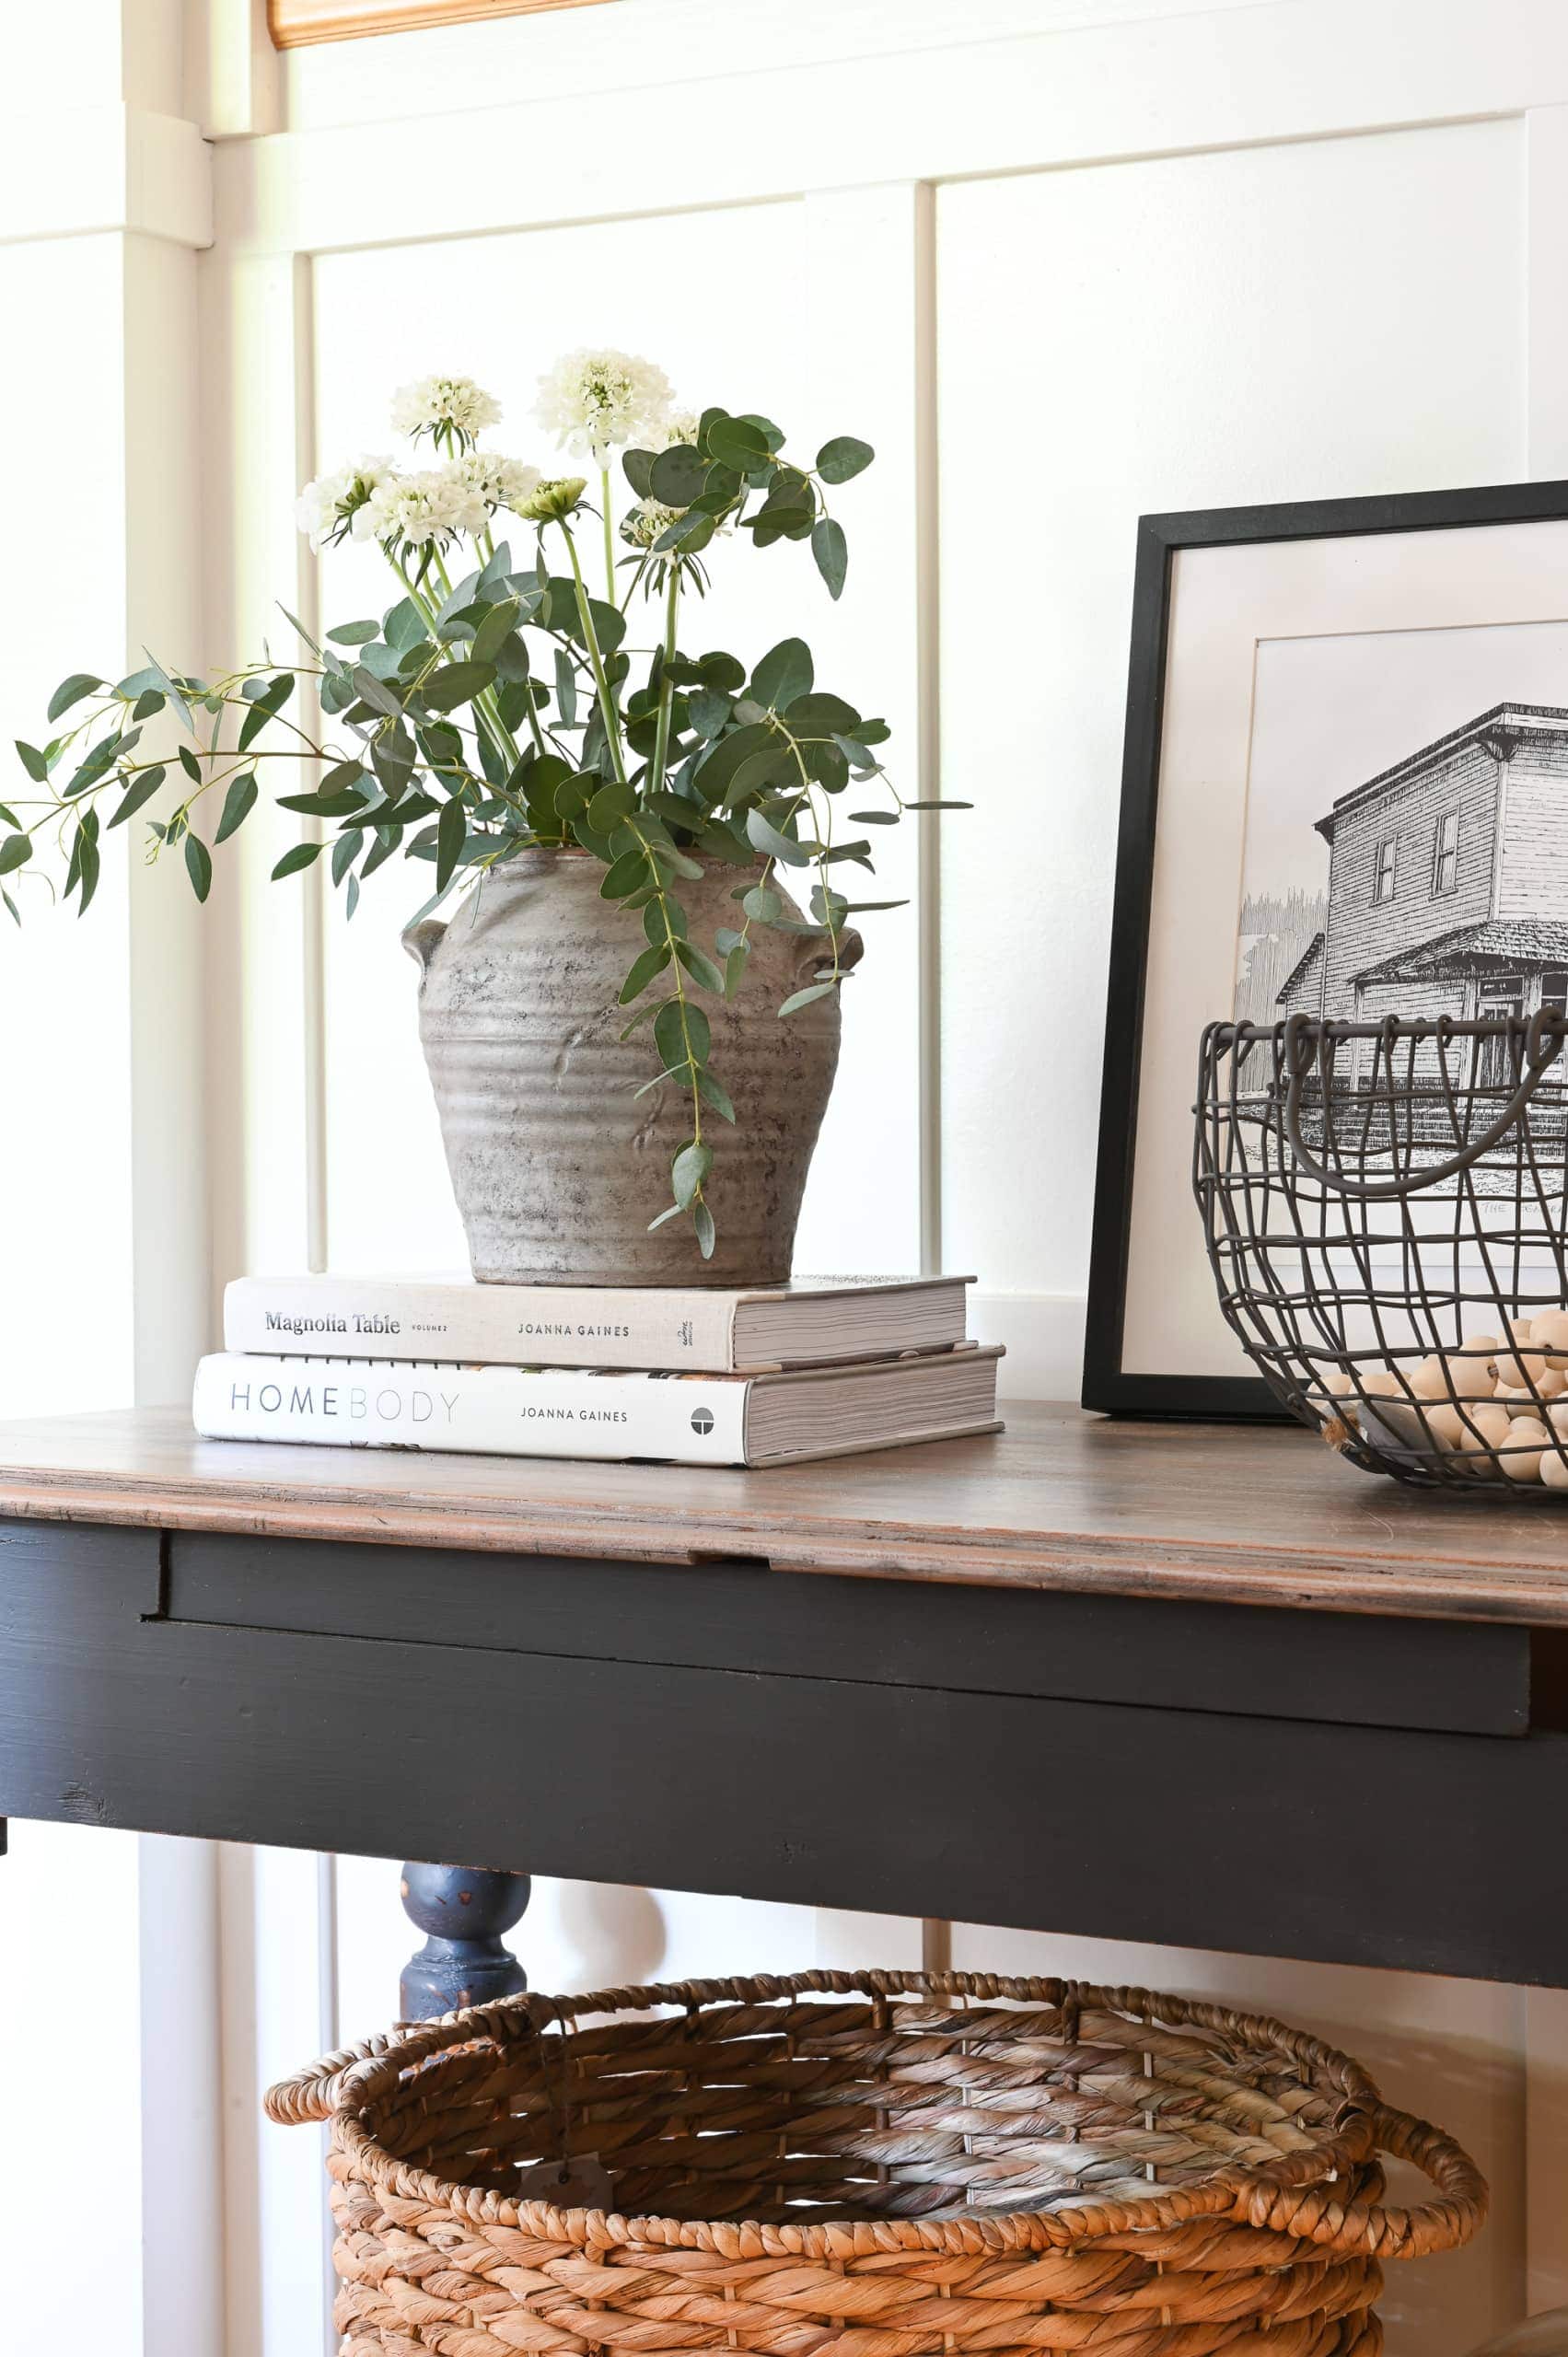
(1302, 1050)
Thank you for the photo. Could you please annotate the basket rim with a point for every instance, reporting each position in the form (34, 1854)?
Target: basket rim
(347, 2096)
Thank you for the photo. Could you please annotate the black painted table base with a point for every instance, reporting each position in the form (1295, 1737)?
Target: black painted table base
(1327, 1785)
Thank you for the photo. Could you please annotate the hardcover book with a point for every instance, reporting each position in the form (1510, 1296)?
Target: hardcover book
(813, 1321)
(551, 1411)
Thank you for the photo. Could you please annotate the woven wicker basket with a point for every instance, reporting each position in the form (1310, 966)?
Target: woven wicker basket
(871, 2165)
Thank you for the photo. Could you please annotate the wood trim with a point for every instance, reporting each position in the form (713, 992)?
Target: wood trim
(295, 23)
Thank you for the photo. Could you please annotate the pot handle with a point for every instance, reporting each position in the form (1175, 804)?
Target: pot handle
(808, 957)
(420, 941)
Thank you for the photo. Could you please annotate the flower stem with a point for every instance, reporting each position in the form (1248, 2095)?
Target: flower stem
(608, 713)
(608, 537)
(666, 685)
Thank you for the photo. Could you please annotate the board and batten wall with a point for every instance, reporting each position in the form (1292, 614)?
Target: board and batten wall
(1062, 262)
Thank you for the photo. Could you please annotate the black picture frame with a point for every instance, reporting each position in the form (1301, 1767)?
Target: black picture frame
(1107, 1387)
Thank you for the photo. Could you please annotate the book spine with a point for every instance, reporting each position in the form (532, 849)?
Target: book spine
(499, 1325)
(484, 1411)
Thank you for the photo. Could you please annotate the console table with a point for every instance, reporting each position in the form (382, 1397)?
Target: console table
(1204, 1686)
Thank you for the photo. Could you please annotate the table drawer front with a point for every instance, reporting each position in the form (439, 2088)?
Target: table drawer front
(1262, 1660)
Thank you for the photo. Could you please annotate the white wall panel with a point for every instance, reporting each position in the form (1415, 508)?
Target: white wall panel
(1277, 323)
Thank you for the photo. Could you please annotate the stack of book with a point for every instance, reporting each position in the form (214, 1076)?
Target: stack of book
(821, 1367)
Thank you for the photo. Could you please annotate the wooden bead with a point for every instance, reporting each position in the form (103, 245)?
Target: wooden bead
(1554, 1468)
(1521, 1453)
(1519, 1369)
(1470, 1375)
(1490, 1429)
(1550, 1333)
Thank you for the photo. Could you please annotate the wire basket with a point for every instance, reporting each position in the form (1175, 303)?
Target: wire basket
(1385, 1209)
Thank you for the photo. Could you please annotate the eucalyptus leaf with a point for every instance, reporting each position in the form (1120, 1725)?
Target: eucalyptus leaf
(451, 834)
(198, 866)
(678, 475)
(627, 873)
(805, 997)
(784, 673)
(405, 627)
(688, 1171)
(238, 803)
(294, 860)
(15, 851)
(767, 839)
(734, 442)
(701, 966)
(832, 551)
(457, 683)
(140, 790)
(72, 691)
(354, 633)
(566, 686)
(652, 962)
(844, 457)
(674, 1027)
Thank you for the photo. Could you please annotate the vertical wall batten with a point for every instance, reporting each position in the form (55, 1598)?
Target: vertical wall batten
(927, 491)
(314, 881)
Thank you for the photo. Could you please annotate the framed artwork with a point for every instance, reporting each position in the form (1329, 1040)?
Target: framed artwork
(1344, 790)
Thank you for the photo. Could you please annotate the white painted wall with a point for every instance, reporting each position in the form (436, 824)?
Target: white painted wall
(103, 1186)
(1062, 261)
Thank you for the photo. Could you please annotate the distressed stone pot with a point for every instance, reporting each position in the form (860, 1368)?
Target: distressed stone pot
(558, 1165)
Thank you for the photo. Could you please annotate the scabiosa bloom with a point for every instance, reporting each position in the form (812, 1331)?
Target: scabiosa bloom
(552, 501)
(647, 520)
(595, 402)
(452, 410)
(681, 425)
(500, 482)
(326, 507)
(420, 511)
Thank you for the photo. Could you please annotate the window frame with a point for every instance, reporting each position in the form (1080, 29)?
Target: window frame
(1440, 855)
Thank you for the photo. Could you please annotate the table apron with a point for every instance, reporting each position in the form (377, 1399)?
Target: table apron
(1418, 1848)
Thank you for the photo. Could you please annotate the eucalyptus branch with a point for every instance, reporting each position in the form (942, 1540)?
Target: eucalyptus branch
(703, 759)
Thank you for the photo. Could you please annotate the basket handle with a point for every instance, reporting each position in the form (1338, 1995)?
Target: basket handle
(317, 2091)
(1375, 2229)
(1301, 1050)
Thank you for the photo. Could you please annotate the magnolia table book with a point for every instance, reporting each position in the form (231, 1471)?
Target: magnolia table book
(812, 1321)
(549, 1412)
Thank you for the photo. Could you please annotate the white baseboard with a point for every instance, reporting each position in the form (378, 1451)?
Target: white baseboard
(1043, 1333)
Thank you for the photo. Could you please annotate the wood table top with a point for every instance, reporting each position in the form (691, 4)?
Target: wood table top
(1261, 1514)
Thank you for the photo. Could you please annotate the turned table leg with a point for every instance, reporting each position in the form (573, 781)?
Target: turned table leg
(462, 1912)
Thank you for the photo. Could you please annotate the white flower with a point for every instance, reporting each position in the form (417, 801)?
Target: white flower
(596, 401)
(325, 507)
(421, 510)
(681, 425)
(451, 410)
(647, 520)
(500, 482)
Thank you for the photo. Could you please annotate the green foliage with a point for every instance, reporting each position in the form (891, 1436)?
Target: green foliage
(513, 707)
